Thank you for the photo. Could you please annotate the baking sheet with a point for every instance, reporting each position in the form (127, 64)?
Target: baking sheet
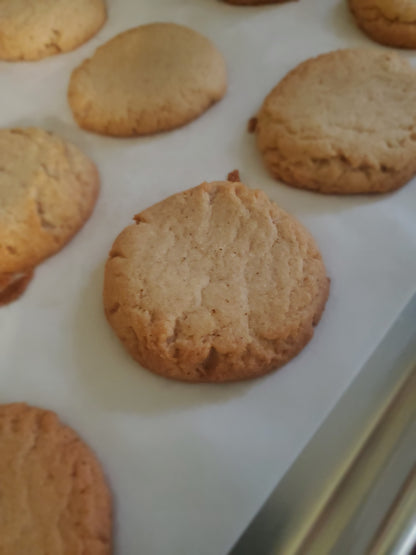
(190, 465)
(340, 507)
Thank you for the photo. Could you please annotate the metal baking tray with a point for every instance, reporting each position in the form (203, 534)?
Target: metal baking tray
(352, 490)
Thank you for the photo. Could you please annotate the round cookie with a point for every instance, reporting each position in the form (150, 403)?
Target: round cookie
(390, 22)
(151, 78)
(48, 189)
(54, 497)
(344, 122)
(34, 29)
(214, 284)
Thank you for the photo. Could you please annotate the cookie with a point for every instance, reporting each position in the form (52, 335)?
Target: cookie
(214, 284)
(12, 286)
(34, 29)
(344, 122)
(149, 79)
(54, 496)
(48, 189)
(390, 22)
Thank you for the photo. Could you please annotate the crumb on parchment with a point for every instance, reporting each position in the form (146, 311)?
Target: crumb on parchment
(234, 176)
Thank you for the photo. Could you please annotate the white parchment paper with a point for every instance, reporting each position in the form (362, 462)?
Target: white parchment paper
(189, 465)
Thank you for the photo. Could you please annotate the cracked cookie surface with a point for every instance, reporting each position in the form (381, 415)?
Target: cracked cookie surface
(34, 29)
(390, 22)
(214, 284)
(148, 79)
(344, 123)
(54, 497)
(48, 189)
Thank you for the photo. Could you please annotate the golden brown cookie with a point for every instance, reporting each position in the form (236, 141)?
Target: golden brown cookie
(390, 22)
(54, 497)
(48, 189)
(151, 78)
(344, 122)
(214, 284)
(34, 29)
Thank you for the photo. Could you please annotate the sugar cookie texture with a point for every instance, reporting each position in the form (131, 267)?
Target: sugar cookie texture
(54, 497)
(34, 29)
(48, 189)
(344, 122)
(214, 284)
(390, 22)
(148, 79)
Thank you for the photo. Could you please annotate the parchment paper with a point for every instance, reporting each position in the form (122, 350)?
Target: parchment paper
(189, 465)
